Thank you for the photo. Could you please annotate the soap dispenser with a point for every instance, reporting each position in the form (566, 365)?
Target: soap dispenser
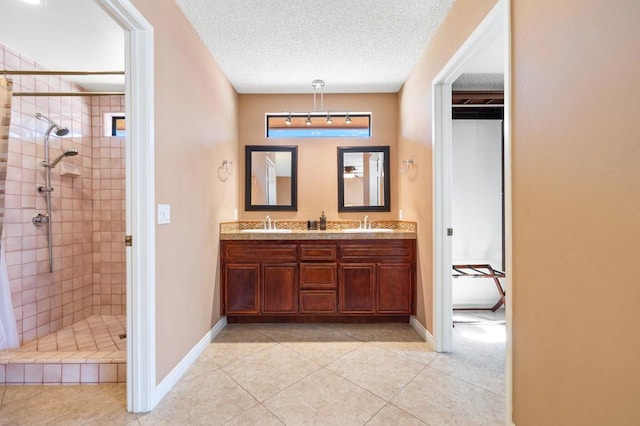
(323, 222)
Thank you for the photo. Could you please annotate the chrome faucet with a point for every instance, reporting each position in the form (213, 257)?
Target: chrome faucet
(267, 223)
(364, 224)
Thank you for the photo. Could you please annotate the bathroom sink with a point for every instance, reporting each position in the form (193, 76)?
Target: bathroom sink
(374, 230)
(266, 231)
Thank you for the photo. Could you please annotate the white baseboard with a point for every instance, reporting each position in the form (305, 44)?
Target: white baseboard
(423, 332)
(178, 371)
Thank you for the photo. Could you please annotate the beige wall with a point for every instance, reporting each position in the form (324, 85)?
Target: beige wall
(318, 158)
(196, 129)
(576, 216)
(415, 194)
(576, 212)
(576, 182)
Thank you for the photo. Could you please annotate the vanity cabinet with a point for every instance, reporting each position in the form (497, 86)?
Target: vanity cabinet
(318, 278)
(272, 280)
(377, 277)
(394, 285)
(357, 293)
(243, 296)
(279, 289)
(259, 278)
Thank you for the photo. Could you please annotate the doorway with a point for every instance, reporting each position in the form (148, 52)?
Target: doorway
(495, 23)
(139, 204)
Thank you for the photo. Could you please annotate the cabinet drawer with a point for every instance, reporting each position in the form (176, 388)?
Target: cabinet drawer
(318, 302)
(318, 275)
(378, 251)
(269, 252)
(318, 251)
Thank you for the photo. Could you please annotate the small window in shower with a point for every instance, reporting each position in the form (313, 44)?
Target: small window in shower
(115, 124)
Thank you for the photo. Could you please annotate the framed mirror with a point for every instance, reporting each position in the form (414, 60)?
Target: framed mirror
(271, 178)
(363, 179)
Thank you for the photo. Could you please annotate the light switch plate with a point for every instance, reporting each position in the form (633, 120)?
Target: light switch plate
(164, 214)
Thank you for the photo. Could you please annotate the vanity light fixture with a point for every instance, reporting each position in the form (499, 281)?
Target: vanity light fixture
(318, 121)
(406, 165)
(318, 109)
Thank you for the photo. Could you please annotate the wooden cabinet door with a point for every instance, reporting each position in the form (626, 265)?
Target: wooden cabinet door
(280, 289)
(357, 288)
(394, 288)
(241, 288)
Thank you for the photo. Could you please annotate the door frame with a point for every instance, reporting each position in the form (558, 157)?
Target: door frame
(497, 21)
(139, 203)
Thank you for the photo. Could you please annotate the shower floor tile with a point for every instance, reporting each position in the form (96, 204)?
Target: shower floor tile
(95, 333)
(62, 357)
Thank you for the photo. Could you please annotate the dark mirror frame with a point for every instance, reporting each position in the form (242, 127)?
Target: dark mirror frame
(294, 177)
(387, 179)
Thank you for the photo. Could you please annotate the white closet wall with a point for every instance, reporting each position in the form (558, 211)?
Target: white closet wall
(477, 207)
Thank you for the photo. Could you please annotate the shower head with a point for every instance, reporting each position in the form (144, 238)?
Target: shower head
(68, 153)
(60, 131)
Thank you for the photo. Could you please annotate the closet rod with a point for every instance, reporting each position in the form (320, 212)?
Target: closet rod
(68, 93)
(21, 72)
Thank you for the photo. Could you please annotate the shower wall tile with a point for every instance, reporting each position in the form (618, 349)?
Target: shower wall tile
(44, 302)
(108, 211)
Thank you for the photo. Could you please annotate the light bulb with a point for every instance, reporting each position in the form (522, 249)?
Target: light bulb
(288, 120)
(347, 120)
(308, 122)
(329, 120)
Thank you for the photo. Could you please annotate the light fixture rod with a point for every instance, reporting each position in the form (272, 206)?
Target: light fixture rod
(318, 85)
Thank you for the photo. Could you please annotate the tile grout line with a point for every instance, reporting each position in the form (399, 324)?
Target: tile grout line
(465, 381)
(261, 403)
(389, 403)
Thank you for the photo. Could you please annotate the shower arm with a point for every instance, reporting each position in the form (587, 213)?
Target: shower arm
(46, 144)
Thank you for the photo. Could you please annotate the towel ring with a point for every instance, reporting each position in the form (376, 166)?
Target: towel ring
(228, 166)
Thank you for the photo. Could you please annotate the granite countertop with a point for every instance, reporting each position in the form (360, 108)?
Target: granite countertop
(336, 230)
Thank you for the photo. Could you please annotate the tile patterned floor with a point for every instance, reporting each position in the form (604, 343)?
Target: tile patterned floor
(302, 374)
(95, 333)
(89, 351)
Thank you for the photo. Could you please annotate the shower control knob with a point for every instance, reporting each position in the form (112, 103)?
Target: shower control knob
(40, 219)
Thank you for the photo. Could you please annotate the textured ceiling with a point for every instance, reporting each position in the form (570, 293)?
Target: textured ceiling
(262, 46)
(280, 46)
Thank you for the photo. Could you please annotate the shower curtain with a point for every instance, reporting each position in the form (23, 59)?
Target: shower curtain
(8, 331)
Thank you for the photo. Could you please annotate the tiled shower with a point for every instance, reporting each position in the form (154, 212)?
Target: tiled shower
(88, 211)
